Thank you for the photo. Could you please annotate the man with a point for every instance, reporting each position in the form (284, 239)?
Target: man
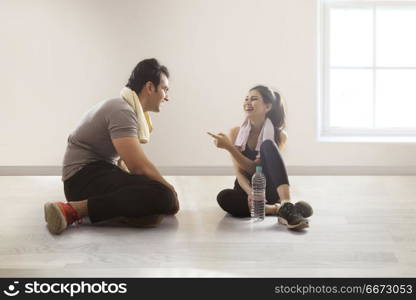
(94, 185)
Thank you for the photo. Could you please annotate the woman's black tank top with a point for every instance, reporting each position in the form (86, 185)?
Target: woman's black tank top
(249, 153)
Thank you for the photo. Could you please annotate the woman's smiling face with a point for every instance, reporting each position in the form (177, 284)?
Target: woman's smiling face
(254, 105)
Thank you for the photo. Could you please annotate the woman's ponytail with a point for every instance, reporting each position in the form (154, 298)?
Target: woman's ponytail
(277, 114)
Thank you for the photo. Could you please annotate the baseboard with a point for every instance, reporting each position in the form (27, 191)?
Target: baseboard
(352, 170)
(228, 170)
(30, 170)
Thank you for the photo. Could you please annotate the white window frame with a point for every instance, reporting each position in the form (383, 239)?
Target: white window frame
(324, 129)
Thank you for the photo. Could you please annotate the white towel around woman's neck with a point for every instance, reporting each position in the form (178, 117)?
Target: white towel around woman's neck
(266, 133)
(143, 118)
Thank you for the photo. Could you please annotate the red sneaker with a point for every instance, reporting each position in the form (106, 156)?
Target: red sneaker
(59, 215)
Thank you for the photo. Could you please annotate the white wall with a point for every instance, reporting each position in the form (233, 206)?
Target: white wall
(60, 57)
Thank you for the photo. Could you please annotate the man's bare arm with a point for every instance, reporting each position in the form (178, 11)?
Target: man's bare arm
(131, 152)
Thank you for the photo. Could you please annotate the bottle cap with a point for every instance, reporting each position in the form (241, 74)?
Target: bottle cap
(259, 168)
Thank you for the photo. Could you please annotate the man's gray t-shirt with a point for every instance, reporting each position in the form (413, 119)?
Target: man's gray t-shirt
(91, 140)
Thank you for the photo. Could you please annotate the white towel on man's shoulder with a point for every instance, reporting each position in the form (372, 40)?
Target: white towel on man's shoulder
(266, 133)
(143, 118)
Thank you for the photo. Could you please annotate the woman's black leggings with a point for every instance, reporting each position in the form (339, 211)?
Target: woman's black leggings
(111, 193)
(234, 201)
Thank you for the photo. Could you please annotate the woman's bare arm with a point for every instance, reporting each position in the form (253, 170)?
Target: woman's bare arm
(238, 158)
(227, 142)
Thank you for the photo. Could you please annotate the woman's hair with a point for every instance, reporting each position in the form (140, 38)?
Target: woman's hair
(146, 70)
(277, 114)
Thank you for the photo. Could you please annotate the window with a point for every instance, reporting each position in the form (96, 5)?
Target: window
(368, 68)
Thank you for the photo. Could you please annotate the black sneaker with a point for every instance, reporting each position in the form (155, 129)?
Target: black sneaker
(304, 209)
(289, 216)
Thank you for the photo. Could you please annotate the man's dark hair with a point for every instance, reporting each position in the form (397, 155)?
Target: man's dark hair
(146, 70)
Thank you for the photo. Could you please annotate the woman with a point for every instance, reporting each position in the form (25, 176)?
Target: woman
(257, 142)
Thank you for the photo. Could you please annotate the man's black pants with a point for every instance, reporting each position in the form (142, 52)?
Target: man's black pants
(111, 193)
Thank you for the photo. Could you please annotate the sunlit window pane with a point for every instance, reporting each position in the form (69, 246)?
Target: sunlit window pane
(396, 37)
(367, 42)
(351, 36)
(396, 98)
(351, 95)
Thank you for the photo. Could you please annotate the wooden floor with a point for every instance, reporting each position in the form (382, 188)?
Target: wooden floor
(362, 227)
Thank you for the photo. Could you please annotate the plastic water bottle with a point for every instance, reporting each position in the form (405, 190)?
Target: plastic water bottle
(258, 184)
